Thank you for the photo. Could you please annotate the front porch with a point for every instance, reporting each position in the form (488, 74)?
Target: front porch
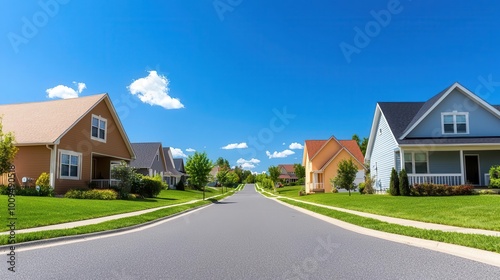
(101, 172)
(448, 167)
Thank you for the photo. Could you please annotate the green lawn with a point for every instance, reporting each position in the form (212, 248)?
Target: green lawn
(42, 211)
(476, 211)
(483, 242)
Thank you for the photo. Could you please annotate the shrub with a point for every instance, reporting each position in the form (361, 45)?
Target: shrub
(361, 188)
(487, 192)
(428, 189)
(150, 187)
(335, 190)
(369, 183)
(106, 194)
(301, 181)
(494, 176)
(180, 186)
(267, 183)
(404, 185)
(394, 183)
(43, 180)
(29, 191)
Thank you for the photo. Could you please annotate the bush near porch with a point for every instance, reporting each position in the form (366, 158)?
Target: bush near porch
(428, 189)
(495, 176)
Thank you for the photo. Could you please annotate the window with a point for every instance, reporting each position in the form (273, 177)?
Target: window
(98, 128)
(70, 165)
(416, 162)
(455, 123)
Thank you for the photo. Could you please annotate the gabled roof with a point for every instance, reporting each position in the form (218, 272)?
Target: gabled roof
(403, 117)
(179, 165)
(352, 147)
(428, 106)
(145, 154)
(170, 162)
(46, 122)
(313, 146)
(290, 168)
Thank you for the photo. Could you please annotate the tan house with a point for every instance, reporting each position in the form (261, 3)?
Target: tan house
(321, 159)
(75, 140)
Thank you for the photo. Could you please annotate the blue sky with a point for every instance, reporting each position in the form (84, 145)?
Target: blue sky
(257, 74)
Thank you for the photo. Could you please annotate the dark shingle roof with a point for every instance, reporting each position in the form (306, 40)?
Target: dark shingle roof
(179, 164)
(145, 154)
(170, 163)
(399, 115)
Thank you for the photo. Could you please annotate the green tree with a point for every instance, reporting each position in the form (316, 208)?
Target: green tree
(274, 173)
(394, 183)
(259, 178)
(222, 162)
(404, 185)
(232, 179)
(7, 150)
(250, 179)
(198, 166)
(239, 171)
(346, 174)
(300, 171)
(126, 175)
(363, 144)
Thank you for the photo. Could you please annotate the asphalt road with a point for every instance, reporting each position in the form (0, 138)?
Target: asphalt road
(244, 237)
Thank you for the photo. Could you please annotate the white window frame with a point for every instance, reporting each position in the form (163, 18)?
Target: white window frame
(413, 171)
(99, 118)
(455, 114)
(79, 167)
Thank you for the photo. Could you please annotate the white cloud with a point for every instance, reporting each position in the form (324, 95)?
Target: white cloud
(296, 146)
(65, 92)
(248, 164)
(242, 145)
(190, 150)
(177, 153)
(154, 90)
(282, 154)
(284, 143)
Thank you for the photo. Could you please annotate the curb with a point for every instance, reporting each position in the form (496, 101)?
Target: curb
(41, 242)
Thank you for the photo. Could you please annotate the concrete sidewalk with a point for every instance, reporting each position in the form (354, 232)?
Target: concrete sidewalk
(398, 221)
(102, 219)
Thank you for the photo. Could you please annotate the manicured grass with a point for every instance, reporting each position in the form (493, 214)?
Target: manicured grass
(474, 211)
(483, 242)
(114, 224)
(109, 225)
(41, 211)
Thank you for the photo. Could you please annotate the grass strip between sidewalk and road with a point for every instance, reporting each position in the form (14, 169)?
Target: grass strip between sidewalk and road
(110, 225)
(483, 242)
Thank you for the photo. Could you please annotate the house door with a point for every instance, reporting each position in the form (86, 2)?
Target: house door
(472, 169)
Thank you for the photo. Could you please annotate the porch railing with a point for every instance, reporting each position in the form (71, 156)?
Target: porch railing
(451, 179)
(316, 186)
(105, 183)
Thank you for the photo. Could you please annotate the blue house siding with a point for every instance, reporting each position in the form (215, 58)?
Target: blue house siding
(444, 162)
(481, 121)
(382, 158)
(486, 160)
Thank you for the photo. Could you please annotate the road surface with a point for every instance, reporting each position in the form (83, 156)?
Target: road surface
(243, 237)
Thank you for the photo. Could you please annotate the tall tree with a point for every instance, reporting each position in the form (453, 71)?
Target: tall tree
(198, 166)
(7, 150)
(274, 173)
(394, 183)
(222, 162)
(300, 171)
(363, 144)
(346, 174)
(239, 171)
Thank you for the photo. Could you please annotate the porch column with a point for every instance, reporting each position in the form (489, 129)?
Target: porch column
(402, 159)
(462, 170)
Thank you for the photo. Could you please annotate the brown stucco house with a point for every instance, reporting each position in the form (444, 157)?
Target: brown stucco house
(75, 140)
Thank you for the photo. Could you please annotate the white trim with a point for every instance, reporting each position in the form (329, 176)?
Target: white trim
(71, 153)
(454, 114)
(374, 130)
(462, 165)
(413, 171)
(99, 118)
